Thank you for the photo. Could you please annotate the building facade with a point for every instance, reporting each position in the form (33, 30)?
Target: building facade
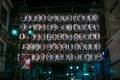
(112, 16)
(5, 7)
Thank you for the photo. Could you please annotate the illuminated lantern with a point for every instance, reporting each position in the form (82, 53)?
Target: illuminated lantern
(49, 18)
(49, 38)
(28, 18)
(97, 46)
(76, 57)
(23, 27)
(95, 17)
(75, 37)
(38, 37)
(39, 27)
(53, 57)
(44, 18)
(70, 37)
(68, 27)
(69, 57)
(33, 57)
(75, 18)
(89, 17)
(83, 17)
(64, 36)
(48, 47)
(76, 27)
(34, 26)
(70, 47)
(65, 18)
(62, 28)
(38, 18)
(90, 46)
(42, 57)
(49, 57)
(31, 47)
(79, 18)
(37, 46)
(49, 27)
(89, 27)
(44, 37)
(92, 27)
(84, 27)
(54, 27)
(81, 46)
(81, 36)
(53, 46)
(56, 57)
(42, 46)
(82, 56)
(56, 18)
(61, 57)
(87, 36)
(56, 36)
(97, 36)
(91, 36)
(88, 57)
(43, 27)
(61, 18)
(69, 18)
(34, 18)
(64, 47)
(34, 37)
(60, 46)
(93, 56)
(59, 37)
(37, 57)
(56, 47)
(24, 47)
(96, 27)
(99, 56)
(76, 46)
(86, 47)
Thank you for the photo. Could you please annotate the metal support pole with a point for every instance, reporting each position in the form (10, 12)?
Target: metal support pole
(20, 60)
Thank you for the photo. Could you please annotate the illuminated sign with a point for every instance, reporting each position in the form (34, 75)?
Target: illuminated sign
(25, 60)
(61, 37)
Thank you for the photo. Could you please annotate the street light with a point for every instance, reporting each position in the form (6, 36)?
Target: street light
(71, 67)
(49, 72)
(14, 32)
(67, 74)
(77, 67)
(30, 32)
(71, 74)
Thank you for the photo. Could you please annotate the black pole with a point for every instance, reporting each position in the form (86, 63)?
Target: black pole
(20, 60)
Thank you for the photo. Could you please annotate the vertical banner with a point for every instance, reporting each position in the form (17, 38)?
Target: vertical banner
(25, 61)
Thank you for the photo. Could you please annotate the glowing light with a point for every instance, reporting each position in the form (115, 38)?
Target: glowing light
(71, 67)
(77, 67)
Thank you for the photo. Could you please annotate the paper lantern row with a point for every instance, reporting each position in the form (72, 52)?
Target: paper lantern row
(61, 47)
(59, 18)
(61, 37)
(53, 57)
(59, 27)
